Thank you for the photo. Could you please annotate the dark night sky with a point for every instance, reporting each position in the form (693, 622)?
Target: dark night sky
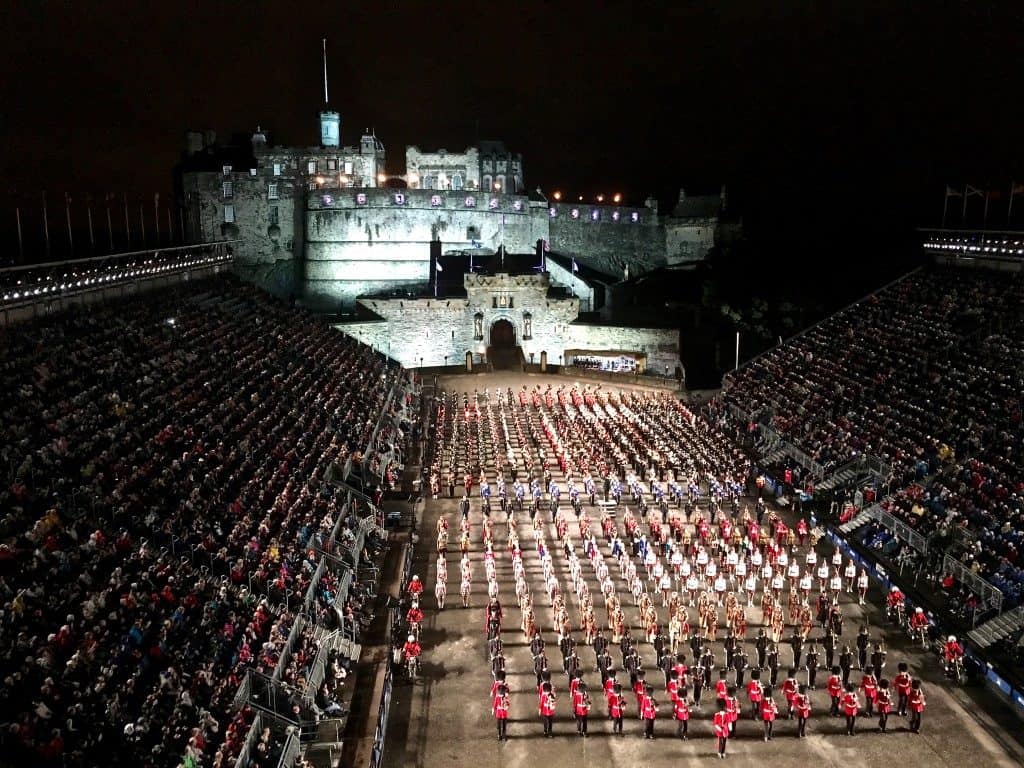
(841, 114)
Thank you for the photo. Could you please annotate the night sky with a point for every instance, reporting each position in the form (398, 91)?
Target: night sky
(846, 118)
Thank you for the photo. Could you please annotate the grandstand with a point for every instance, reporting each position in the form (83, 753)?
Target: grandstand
(181, 584)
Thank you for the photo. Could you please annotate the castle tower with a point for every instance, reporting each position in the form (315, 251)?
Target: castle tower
(330, 121)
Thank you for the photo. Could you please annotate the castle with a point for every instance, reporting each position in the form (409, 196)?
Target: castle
(329, 225)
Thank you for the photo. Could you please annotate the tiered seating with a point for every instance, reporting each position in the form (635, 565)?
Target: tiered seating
(926, 375)
(164, 496)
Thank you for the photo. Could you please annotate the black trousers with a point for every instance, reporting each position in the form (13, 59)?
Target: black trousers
(883, 721)
(721, 744)
(682, 728)
(851, 723)
(769, 726)
(581, 723)
(915, 722)
(549, 722)
(801, 726)
(502, 725)
(649, 727)
(617, 724)
(901, 705)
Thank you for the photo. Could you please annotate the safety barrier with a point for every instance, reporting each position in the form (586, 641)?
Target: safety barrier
(255, 729)
(896, 526)
(992, 597)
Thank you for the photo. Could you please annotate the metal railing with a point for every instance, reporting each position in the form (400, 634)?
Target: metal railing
(992, 597)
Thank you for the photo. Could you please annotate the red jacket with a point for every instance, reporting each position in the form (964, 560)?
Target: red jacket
(769, 710)
(721, 689)
(789, 688)
(755, 691)
(681, 709)
(870, 686)
(835, 686)
(648, 708)
(883, 701)
(501, 707)
(902, 683)
(580, 704)
(916, 700)
(721, 723)
(616, 705)
(802, 705)
(851, 704)
(547, 704)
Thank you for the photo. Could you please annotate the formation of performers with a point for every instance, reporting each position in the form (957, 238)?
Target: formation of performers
(675, 544)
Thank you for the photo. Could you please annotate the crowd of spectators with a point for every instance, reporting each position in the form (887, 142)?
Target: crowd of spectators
(927, 375)
(162, 510)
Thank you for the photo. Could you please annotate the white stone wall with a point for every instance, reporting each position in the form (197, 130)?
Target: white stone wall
(689, 242)
(351, 245)
(441, 331)
(661, 346)
(562, 276)
(420, 165)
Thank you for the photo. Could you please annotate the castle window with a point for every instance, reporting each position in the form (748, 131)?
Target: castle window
(478, 326)
(348, 167)
(456, 181)
(271, 191)
(311, 166)
(252, 172)
(277, 169)
(499, 183)
(472, 233)
(229, 214)
(332, 164)
(488, 183)
(226, 169)
(273, 214)
(228, 188)
(527, 325)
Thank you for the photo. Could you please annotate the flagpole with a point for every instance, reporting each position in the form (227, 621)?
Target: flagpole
(945, 206)
(110, 223)
(46, 226)
(142, 224)
(127, 222)
(67, 213)
(156, 215)
(170, 226)
(88, 212)
(21, 247)
(1009, 208)
(984, 217)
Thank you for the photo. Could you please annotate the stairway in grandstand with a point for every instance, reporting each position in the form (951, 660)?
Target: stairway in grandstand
(861, 518)
(1000, 627)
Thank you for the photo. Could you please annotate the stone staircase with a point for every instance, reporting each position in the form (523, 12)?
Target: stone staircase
(1000, 627)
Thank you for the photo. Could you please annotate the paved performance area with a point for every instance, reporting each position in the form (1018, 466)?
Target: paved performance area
(445, 719)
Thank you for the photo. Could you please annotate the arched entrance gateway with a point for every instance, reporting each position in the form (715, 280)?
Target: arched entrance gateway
(503, 351)
(503, 334)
